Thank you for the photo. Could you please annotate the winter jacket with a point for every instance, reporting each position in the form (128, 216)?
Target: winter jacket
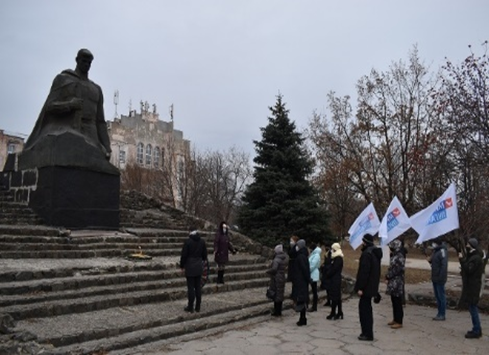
(325, 282)
(334, 277)
(314, 262)
(302, 276)
(277, 275)
(222, 247)
(368, 275)
(291, 270)
(395, 274)
(439, 264)
(472, 270)
(194, 252)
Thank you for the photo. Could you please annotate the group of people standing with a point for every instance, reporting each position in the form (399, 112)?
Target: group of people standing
(303, 268)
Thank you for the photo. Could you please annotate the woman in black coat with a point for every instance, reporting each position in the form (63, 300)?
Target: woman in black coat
(194, 252)
(334, 277)
(301, 281)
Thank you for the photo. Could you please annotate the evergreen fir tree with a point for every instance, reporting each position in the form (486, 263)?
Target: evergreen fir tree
(281, 201)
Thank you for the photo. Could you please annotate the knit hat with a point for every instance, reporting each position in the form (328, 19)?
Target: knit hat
(301, 243)
(473, 243)
(395, 244)
(279, 248)
(368, 238)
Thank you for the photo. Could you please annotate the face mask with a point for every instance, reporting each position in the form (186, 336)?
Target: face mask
(468, 250)
(434, 245)
(297, 248)
(224, 228)
(292, 242)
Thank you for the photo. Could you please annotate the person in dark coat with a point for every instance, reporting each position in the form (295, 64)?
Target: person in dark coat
(222, 247)
(367, 284)
(325, 282)
(395, 282)
(334, 275)
(301, 280)
(194, 253)
(291, 269)
(439, 274)
(277, 278)
(472, 270)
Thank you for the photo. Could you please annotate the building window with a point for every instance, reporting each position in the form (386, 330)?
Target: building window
(149, 151)
(156, 158)
(11, 148)
(122, 157)
(139, 157)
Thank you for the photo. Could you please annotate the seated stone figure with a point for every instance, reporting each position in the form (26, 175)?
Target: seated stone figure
(71, 128)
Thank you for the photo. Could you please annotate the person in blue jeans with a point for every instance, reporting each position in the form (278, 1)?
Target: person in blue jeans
(439, 270)
(472, 270)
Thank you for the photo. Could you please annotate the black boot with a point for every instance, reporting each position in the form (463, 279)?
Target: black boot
(332, 315)
(314, 307)
(220, 277)
(339, 315)
(302, 320)
(277, 309)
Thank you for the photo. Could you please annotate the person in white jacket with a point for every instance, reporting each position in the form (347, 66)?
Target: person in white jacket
(314, 263)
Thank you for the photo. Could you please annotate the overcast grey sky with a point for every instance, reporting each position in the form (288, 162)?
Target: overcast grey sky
(222, 62)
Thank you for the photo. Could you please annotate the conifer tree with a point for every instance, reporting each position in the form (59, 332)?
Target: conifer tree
(281, 201)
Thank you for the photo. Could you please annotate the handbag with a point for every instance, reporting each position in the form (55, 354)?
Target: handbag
(270, 294)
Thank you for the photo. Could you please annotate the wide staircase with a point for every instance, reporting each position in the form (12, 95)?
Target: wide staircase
(116, 292)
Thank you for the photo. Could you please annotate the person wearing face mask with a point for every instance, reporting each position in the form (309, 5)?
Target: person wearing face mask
(395, 282)
(291, 270)
(439, 272)
(277, 278)
(314, 263)
(222, 247)
(472, 270)
(301, 280)
(367, 284)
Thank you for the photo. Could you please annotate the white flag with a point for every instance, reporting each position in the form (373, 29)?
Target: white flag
(438, 218)
(366, 223)
(394, 223)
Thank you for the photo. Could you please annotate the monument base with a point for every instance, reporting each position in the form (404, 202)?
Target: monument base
(76, 199)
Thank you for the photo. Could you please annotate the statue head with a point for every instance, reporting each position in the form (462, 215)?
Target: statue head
(84, 60)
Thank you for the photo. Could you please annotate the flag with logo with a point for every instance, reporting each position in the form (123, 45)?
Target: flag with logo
(367, 223)
(395, 222)
(438, 218)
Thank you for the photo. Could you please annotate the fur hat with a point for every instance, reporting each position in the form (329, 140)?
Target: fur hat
(368, 239)
(301, 243)
(336, 246)
(279, 248)
(473, 243)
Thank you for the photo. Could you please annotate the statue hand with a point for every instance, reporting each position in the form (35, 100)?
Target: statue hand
(76, 103)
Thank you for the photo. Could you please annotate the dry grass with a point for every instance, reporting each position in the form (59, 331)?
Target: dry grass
(413, 276)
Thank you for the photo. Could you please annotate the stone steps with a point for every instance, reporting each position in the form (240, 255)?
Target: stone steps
(88, 303)
(22, 292)
(144, 324)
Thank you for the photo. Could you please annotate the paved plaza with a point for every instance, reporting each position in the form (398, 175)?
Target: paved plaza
(420, 335)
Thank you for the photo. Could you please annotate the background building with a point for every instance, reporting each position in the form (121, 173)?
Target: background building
(144, 140)
(10, 143)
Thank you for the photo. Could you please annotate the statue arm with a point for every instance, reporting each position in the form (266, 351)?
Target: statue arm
(103, 133)
(57, 102)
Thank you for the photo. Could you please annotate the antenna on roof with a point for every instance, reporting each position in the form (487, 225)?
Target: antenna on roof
(116, 102)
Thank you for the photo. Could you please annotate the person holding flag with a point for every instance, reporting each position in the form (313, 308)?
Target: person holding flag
(439, 273)
(435, 220)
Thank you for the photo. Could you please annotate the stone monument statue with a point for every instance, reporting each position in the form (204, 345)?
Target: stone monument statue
(74, 104)
(64, 172)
